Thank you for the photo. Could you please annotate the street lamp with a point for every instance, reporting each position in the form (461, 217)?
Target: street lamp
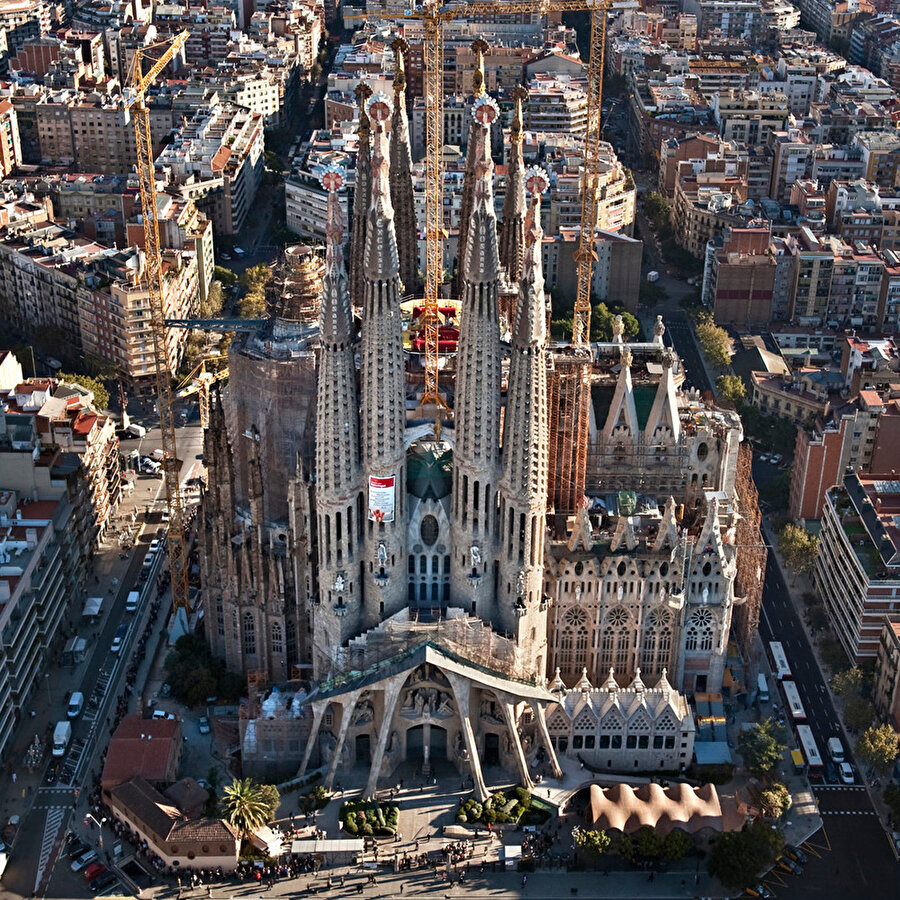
(99, 825)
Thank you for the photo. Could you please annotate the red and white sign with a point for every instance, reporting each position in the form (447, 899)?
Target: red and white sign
(381, 498)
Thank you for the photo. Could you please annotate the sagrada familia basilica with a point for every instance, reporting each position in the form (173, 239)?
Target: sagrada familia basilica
(398, 592)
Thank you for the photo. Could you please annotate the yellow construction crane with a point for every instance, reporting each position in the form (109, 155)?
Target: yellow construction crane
(199, 382)
(433, 16)
(140, 114)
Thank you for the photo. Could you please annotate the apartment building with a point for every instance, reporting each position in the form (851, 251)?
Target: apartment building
(886, 691)
(706, 203)
(10, 148)
(25, 20)
(857, 571)
(801, 397)
(216, 159)
(65, 418)
(749, 116)
(792, 153)
(869, 362)
(556, 104)
(114, 312)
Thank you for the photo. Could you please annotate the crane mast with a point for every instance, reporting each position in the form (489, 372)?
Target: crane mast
(140, 82)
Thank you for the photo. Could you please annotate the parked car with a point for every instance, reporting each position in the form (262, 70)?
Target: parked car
(764, 457)
(796, 854)
(103, 880)
(846, 773)
(786, 864)
(203, 725)
(119, 638)
(85, 859)
(759, 890)
(76, 847)
(165, 691)
(775, 459)
(94, 870)
(154, 546)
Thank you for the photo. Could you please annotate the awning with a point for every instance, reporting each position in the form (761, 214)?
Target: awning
(92, 606)
(265, 839)
(712, 753)
(344, 846)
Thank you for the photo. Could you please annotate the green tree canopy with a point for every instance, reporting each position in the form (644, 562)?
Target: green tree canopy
(215, 298)
(255, 279)
(849, 683)
(877, 747)
(762, 746)
(775, 800)
(602, 318)
(656, 208)
(738, 857)
(247, 805)
(226, 276)
(798, 547)
(677, 844)
(649, 842)
(591, 841)
(715, 343)
(94, 385)
(731, 389)
(859, 714)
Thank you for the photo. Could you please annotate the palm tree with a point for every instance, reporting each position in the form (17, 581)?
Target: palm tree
(246, 805)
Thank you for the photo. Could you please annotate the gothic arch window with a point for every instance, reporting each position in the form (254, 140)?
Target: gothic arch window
(249, 634)
(429, 531)
(699, 635)
(607, 645)
(581, 649)
(277, 638)
(656, 645)
(566, 645)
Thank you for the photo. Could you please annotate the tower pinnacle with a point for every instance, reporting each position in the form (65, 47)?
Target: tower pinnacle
(512, 230)
(361, 197)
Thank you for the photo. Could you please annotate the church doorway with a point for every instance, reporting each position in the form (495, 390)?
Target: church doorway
(491, 750)
(363, 750)
(419, 736)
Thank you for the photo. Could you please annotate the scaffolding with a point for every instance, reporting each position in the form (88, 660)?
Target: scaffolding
(751, 559)
(569, 394)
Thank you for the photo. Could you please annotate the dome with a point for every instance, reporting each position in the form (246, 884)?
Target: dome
(429, 472)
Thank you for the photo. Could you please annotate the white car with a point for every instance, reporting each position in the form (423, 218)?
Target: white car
(846, 772)
(776, 458)
(764, 457)
(85, 859)
(154, 546)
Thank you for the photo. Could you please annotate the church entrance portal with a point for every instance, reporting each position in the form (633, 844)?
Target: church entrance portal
(363, 750)
(416, 738)
(491, 750)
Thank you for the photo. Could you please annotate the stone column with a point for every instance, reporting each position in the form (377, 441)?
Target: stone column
(318, 708)
(461, 688)
(391, 688)
(509, 714)
(349, 704)
(541, 720)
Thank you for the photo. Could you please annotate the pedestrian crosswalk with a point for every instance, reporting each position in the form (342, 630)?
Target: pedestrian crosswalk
(847, 812)
(52, 826)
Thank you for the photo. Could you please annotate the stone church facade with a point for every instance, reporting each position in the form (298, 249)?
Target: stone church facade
(414, 606)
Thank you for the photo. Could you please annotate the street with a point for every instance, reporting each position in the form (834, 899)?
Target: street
(49, 803)
(852, 856)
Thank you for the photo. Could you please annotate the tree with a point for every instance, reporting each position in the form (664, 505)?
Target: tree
(877, 747)
(859, 714)
(246, 805)
(94, 385)
(738, 857)
(731, 389)
(775, 800)
(226, 276)
(798, 547)
(849, 683)
(648, 842)
(762, 747)
(215, 299)
(677, 844)
(603, 317)
(255, 279)
(591, 841)
(656, 208)
(715, 343)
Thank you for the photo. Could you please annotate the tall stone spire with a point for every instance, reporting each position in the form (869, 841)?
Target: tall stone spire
(338, 473)
(523, 487)
(480, 47)
(362, 192)
(383, 391)
(401, 177)
(512, 229)
(478, 368)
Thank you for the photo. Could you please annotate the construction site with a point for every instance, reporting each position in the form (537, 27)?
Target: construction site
(425, 523)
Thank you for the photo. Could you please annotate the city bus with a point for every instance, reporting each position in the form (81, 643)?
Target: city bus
(779, 660)
(792, 701)
(810, 749)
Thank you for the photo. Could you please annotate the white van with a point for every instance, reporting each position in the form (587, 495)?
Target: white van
(76, 704)
(131, 604)
(836, 750)
(137, 431)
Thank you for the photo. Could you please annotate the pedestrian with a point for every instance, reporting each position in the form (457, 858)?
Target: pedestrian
(524, 881)
(401, 888)
(15, 777)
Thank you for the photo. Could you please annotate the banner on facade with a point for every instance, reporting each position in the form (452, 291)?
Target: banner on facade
(381, 498)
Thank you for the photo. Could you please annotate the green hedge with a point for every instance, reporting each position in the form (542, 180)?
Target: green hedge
(367, 818)
(498, 808)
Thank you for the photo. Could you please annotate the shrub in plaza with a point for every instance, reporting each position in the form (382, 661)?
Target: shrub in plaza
(497, 809)
(366, 817)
